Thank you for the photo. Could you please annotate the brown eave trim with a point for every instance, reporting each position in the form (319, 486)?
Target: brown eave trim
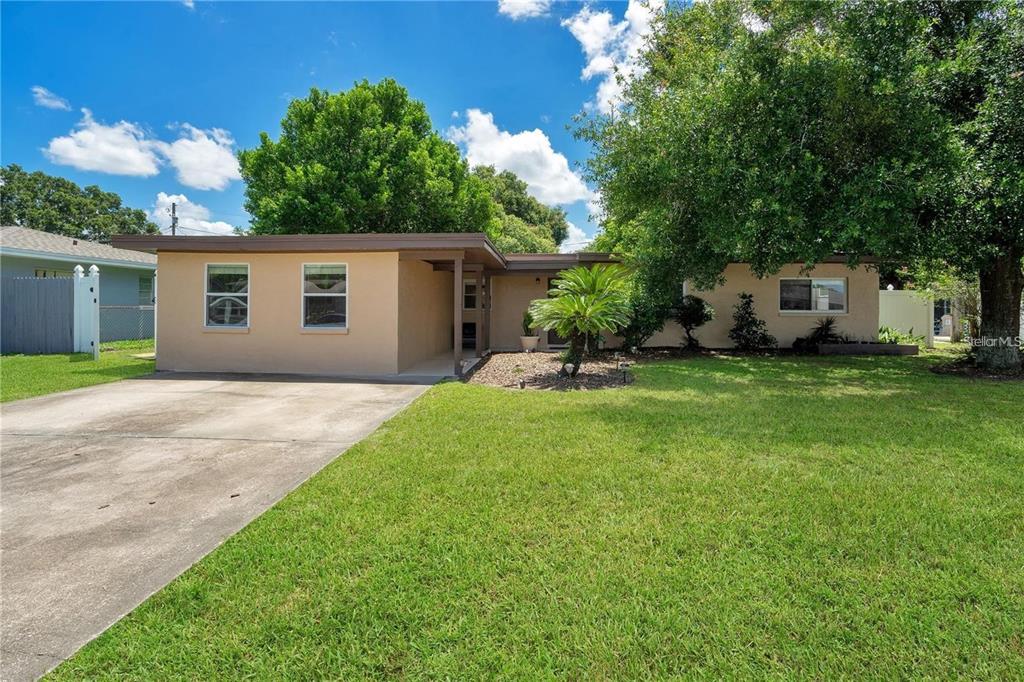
(298, 243)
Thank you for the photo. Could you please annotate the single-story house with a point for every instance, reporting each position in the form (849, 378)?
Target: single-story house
(414, 304)
(790, 302)
(126, 276)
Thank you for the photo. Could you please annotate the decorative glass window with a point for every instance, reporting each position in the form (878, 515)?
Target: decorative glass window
(469, 295)
(227, 295)
(325, 295)
(145, 291)
(812, 295)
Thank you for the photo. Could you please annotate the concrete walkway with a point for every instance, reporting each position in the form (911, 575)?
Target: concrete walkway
(109, 492)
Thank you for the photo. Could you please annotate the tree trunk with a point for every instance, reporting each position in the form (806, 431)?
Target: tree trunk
(998, 347)
(577, 345)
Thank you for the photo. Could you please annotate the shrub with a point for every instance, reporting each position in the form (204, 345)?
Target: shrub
(749, 331)
(822, 332)
(890, 335)
(584, 302)
(692, 312)
(647, 315)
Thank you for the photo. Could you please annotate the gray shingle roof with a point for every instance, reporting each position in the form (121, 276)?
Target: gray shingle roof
(14, 238)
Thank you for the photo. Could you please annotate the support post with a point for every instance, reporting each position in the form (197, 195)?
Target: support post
(156, 295)
(94, 310)
(479, 313)
(78, 309)
(457, 314)
(487, 312)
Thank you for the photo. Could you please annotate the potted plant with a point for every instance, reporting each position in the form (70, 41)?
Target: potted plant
(529, 339)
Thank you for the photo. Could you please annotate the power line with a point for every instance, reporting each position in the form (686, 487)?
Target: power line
(198, 229)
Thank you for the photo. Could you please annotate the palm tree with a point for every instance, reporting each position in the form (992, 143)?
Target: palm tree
(584, 302)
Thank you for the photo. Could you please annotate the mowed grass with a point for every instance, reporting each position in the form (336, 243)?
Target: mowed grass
(723, 517)
(25, 376)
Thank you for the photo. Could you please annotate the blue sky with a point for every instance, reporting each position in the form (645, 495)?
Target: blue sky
(151, 100)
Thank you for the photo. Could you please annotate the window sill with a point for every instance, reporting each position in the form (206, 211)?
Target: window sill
(225, 330)
(819, 313)
(323, 330)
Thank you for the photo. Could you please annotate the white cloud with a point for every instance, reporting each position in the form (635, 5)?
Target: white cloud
(120, 149)
(204, 159)
(191, 4)
(528, 154)
(612, 47)
(576, 240)
(193, 219)
(50, 100)
(523, 9)
(455, 114)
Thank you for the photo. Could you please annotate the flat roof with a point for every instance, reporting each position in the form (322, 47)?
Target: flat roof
(477, 248)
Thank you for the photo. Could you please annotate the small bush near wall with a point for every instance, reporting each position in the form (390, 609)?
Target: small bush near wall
(693, 312)
(749, 332)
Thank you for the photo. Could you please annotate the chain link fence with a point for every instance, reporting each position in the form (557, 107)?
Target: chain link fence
(123, 322)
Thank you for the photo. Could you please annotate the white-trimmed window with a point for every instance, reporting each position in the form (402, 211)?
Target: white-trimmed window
(325, 295)
(812, 295)
(146, 290)
(469, 295)
(227, 294)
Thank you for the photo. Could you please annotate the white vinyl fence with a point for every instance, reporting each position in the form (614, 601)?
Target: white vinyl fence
(908, 311)
(51, 314)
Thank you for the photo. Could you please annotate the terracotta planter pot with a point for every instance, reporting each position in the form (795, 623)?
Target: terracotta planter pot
(529, 343)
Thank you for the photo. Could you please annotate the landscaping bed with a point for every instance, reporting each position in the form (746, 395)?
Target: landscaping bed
(867, 348)
(541, 371)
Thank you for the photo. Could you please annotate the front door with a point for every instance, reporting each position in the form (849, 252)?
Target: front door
(554, 340)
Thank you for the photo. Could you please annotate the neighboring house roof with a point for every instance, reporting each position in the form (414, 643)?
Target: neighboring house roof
(475, 247)
(22, 241)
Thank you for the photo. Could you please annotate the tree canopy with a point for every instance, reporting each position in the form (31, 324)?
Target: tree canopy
(522, 223)
(369, 160)
(363, 160)
(52, 204)
(786, 132)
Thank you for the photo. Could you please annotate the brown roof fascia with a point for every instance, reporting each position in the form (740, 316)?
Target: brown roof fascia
(300, 243)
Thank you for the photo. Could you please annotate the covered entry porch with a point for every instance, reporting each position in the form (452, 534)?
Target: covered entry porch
(444, 310)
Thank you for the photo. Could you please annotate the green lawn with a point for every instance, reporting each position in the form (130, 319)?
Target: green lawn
(25, 376)
(738, 517)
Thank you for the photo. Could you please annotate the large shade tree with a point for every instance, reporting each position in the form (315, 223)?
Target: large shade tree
(53, 204)
(786, 132)
(369, 160)
(363, 160)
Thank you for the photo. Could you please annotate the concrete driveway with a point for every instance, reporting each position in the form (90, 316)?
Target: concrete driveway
(109, 492)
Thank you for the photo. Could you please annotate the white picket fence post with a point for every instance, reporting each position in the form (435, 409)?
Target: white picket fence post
(87, 311)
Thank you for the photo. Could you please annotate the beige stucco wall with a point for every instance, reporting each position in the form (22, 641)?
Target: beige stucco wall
(275, 340)
(860, 321)
(510, 296)
(425, 300)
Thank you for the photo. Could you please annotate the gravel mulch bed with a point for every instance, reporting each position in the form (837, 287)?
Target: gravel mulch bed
(540, 371)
